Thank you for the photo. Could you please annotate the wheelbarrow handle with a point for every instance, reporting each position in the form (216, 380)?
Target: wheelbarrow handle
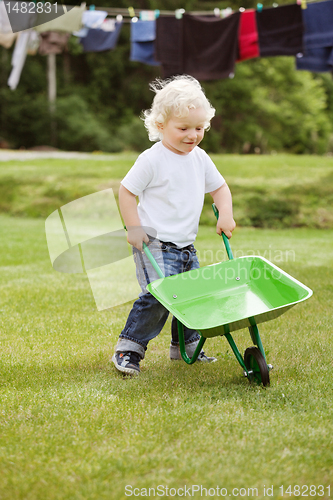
(152, 260)
(224, 237)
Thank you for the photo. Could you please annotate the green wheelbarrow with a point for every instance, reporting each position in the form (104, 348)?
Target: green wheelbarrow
(218, 299)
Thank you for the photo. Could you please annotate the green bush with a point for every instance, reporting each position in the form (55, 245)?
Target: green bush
(133, 136)
(25, 121)
(28, 123)
(78, 128)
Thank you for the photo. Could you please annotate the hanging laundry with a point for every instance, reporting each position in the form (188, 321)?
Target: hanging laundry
(91, 19)
(18, 58)
(99, 40)
(204, 47)
(210, 46)
(168, 45)
(248, 46)
(143, 34)
(7, 39)
(318, 38)
(18, 18)
(317, 60)
(108, 25)
(69, 22)
(53, 42)
(280, 30)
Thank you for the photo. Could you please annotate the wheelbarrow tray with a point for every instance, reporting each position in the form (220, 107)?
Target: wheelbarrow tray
(228, 296)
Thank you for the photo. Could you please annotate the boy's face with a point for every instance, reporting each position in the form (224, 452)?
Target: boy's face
(181, 135)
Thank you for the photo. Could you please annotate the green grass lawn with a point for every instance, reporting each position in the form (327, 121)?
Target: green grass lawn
(73, 428)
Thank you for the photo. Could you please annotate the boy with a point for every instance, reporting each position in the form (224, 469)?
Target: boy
(170, 179)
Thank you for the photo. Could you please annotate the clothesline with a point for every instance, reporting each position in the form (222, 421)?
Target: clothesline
(131, 12)
(206, 47)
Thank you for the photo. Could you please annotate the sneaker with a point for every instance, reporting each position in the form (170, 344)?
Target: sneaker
(206, 359)
(127, 362)
(175, 355)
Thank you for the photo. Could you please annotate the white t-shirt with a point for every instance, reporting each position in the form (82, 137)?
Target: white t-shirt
(171, 190)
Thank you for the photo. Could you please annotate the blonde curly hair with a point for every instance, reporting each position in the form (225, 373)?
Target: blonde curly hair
(175, 96)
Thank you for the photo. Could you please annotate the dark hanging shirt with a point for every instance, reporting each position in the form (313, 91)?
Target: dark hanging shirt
(280, 30)
(210, 46)
(168, 45)
(201, 46)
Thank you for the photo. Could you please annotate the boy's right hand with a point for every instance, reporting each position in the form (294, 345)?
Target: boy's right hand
(136, 236)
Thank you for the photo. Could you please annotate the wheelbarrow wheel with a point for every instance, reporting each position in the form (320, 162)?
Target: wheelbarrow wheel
(256, 364)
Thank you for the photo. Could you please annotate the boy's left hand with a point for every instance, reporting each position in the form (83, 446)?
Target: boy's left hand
(223, 201)
(225, 224)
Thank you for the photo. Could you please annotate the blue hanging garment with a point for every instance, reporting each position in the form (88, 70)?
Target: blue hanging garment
(143, 34)
(318, 38)
(99, 40)
(91, 19)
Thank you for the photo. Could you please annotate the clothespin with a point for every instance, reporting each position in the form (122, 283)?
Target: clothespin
(241, 9)
(259, 7)
(275, 5)
(179, 13)
(119, 18)
(217, 12)
(303, 4)
(131, 11)
(147, 15)
(157, 13)
(92, 7)
(226, 12)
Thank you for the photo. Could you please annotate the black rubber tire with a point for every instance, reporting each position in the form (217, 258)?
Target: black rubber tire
(255, 361)
(174, 330)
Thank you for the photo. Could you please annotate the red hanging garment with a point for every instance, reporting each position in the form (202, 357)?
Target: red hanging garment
(248, 36)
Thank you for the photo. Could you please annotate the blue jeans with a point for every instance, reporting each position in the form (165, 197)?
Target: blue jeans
(148, 316)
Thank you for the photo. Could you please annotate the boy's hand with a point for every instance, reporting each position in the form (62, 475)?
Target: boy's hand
(226, 224)
(136, 236)
(223, 201)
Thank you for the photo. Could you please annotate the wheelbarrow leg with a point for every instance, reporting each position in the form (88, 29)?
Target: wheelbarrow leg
(254, 332)
(185, 357)
(236, 352)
